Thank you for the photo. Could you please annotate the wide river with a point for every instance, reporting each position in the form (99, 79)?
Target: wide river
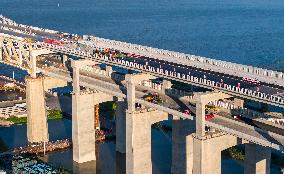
(244, 31)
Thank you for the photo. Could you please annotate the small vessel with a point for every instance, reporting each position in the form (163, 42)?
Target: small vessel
(58, 5)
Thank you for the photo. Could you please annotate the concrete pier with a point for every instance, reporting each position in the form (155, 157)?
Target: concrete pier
(37, 129)
(1, 49)
(182, 146)
(257, 159)
(207, 152)
(64, 59)
(239, 103)
(120, 115)
(166, 85)
(83, 132)
(138, 153)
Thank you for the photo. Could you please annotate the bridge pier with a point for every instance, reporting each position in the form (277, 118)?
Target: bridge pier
(182, 146)
(64, 59)
(37, 129)
(120, 115)
(257, 160)
(83, 131)
(166, 85)
(138, 152)
(239, 103)
(207, 152)
(1, 48)
(109, 70)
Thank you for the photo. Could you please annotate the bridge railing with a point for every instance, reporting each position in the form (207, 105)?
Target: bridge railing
(198, 61)
(203, 82)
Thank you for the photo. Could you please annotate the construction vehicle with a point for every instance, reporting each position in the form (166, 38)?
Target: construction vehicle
(28, 40)
(212, 108)
(153, 98)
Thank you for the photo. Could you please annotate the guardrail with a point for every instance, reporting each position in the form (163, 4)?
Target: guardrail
(190, 60)
(203, 82)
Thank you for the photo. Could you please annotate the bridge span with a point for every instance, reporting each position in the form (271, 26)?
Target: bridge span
(197, 139)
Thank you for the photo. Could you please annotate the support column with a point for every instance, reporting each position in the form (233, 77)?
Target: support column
(166, 85)
(239, 103)
(33, 64)
(138, 156)
(182, 146)
(83, 132)
(20, 54)
(76, 81)
(108, 70)
(129, 125)
(120, 115)
(64, 59)
(200, 118)
(1, 49)
(257, 159)
(37, 129)
(1, 52)
(207, 155)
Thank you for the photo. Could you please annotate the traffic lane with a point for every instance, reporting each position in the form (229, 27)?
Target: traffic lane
(248, 130)
(213, 76)
(186, 70)
(222, 79)
(226, 76)
(37, 32)
(22, 35)
(252, 122)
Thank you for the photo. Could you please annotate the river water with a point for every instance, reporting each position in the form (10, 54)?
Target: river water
(244, 31)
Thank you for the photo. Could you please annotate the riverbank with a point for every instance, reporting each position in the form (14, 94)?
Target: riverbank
(52, 115)
(238, 153)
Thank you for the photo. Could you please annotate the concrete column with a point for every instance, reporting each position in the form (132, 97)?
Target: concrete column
(1, 49)
(108, 70)
(33, 64)
(120, 115)
(130, 96)
(20, 55)
(6, 53)
(182, 146)
(83, 132)
(239, 103)
(129, 125)
(37, 129)
(129, 142)
(139, 151)
(257, 159)
(166, 85)
(76, 79)
(200, 118)
(207, 156)
(64, 59)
